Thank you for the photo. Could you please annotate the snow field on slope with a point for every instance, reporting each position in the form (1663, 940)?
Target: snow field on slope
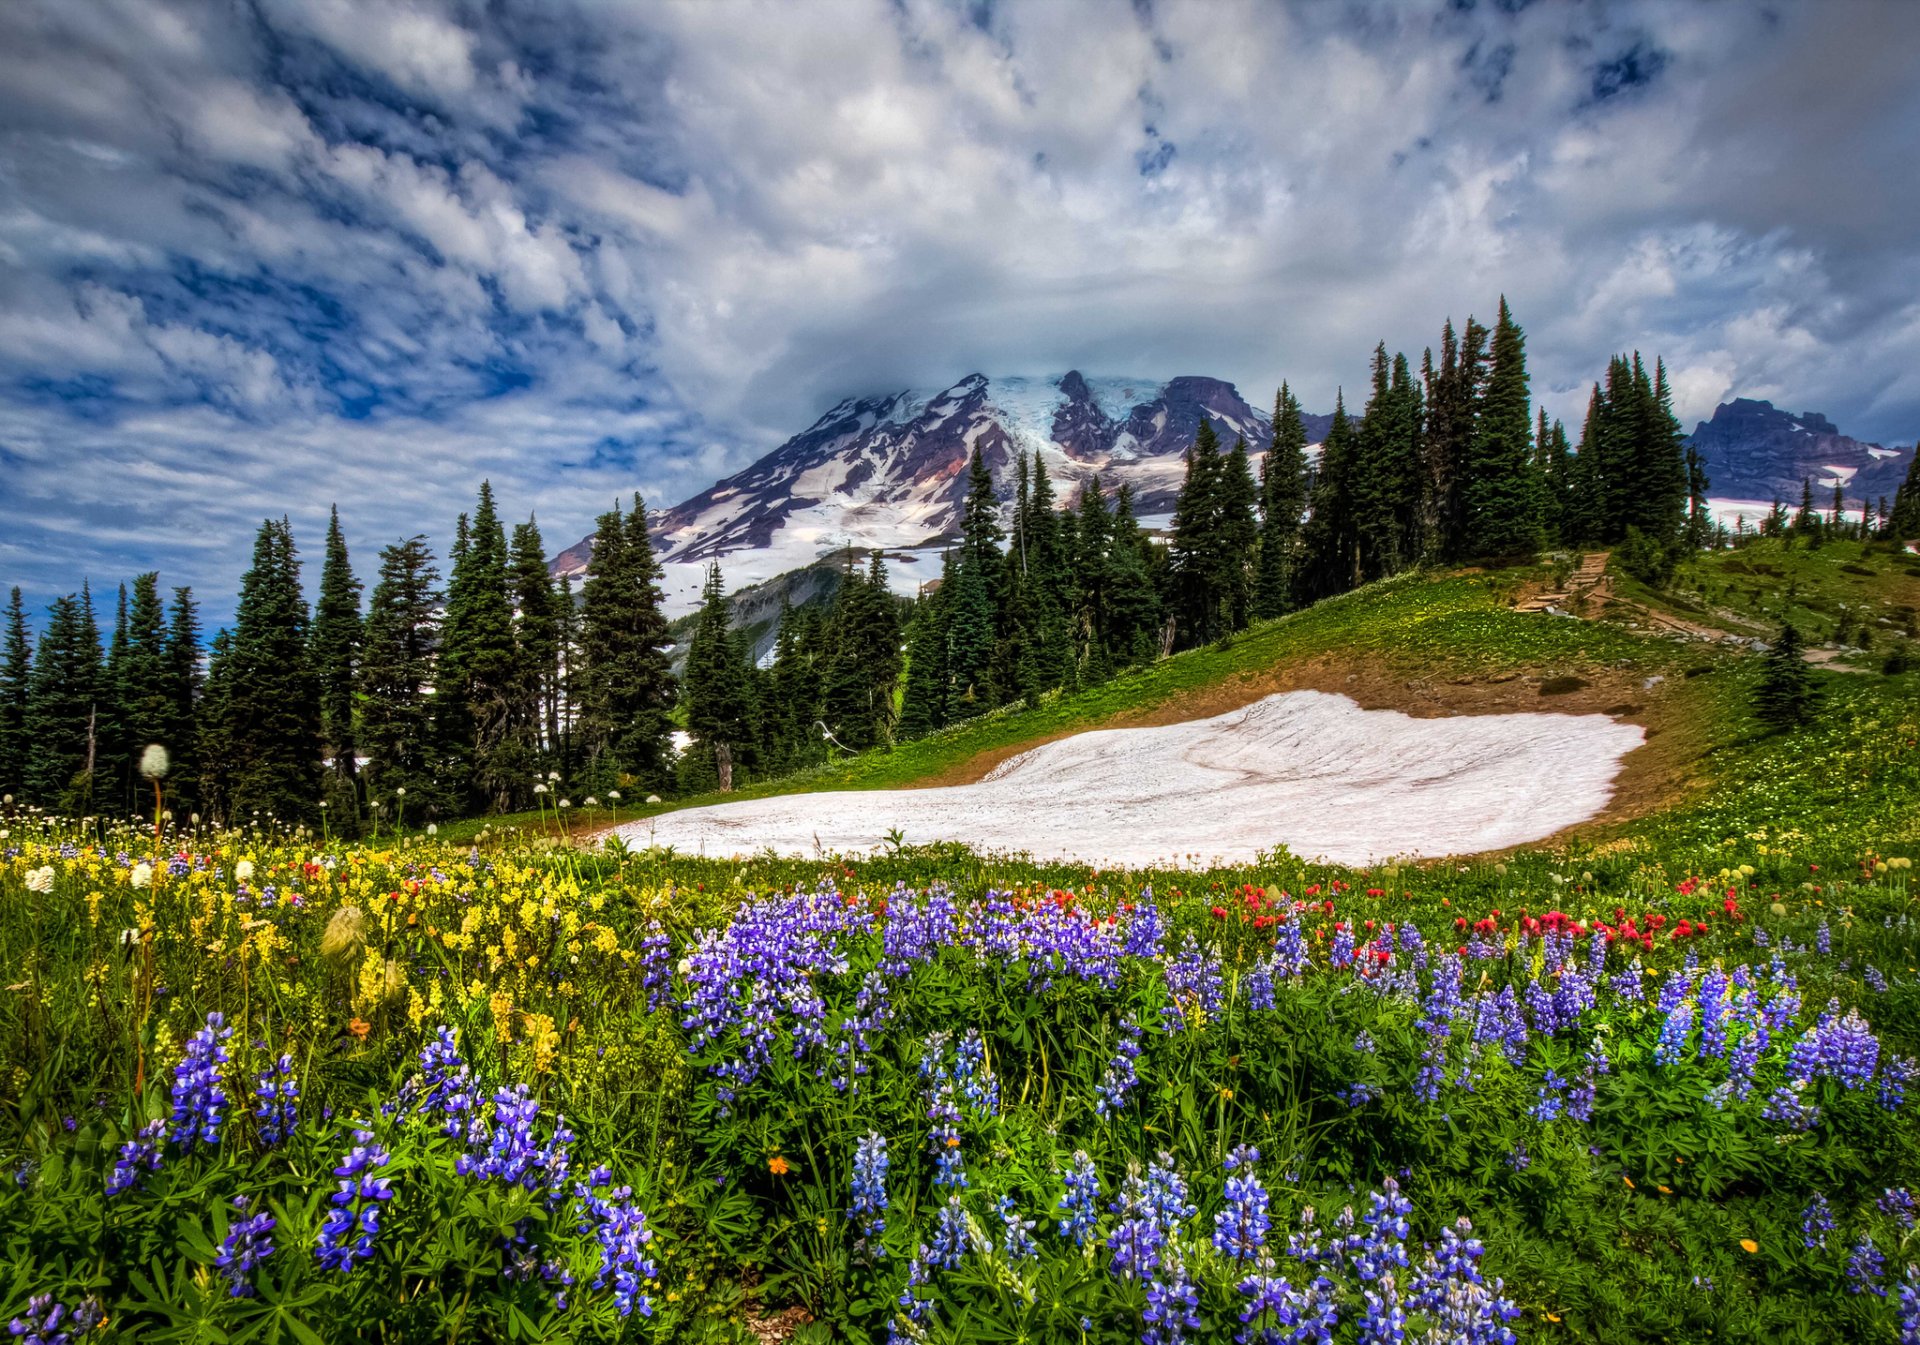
(1304, 769)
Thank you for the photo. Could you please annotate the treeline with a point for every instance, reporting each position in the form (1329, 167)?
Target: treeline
(426, 701)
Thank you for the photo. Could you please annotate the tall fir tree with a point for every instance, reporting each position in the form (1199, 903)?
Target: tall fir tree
(1331, 563)
(1235, 540)
(62, 708)
(923, 700)
(477, 679)
(1387, 471)
(717, 687)
(973, 618)
(1197, 596)
(213, 730)
(398, 656)
(1453, 395)
(1903, 521)
(114, 764)
(1283, 500)
(627, 690)
(1786, 696)
(272, 697)
(16, 677)
(863, 662)
(1503, 495)
(536, 699)
(146, 691)
(184, 685)
(336, 655)
(1134, 613)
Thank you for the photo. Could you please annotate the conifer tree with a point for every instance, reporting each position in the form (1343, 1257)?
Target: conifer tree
(1786, 696)
(146, 699)
(1503, 504)
(1235, 540)
(1386, 477)
(1283, 499)
(973, 615)
(62, 708)
(1134, 614)
(397, 673)
(569, 685)
(1196, 572)
(1806, 523)
(923, 701)
(213, 730)
(182, 732)
(16, 677)
(795, 689)
(1700, 524)
(1332, 561)
(1903, 523)
(863, 663)
(477, 677)
(336, 653)
(1052, 597)
(272, 697)
(718, 686)
(627, 689)
(1095, 572)
(1453, 393)
(536, 698)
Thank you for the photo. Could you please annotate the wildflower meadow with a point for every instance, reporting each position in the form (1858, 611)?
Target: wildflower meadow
(264, 1086)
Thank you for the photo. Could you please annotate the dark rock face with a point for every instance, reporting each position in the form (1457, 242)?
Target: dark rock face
(1753, 451)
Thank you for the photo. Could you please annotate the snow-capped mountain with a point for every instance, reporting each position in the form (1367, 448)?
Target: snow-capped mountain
(1754, 451)
(891, 471)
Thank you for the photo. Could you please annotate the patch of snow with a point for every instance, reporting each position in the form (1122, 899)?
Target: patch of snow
(1883, 453)
(1304, 769)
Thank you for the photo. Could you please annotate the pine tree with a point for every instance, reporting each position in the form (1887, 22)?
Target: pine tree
(1387, 470)
(1134, 613)
(1903, 523)
(113, 766)
(627, 686)
(146, 690)
(183, 681)
(1332, 561)
(863, 664)
(1235, 543)
(478, 673)
(272, 698)
(213, 730)
(795, 691)
(1786, 696)
(1283, 499)
(923, 702)
(973, 621)
(16, 677)
(717, 688)
(1052, 592)
(336, 652)
(1806, 523)
(1503, 503)
(1197, 598)
(1699, 517)
(570, 684)
(1453, 393)
(536, 699)
(399, 646)
(61, 713)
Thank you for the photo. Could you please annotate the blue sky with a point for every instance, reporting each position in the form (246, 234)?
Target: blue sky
(259, 258)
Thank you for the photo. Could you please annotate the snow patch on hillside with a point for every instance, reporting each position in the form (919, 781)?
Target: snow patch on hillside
(1304, 769)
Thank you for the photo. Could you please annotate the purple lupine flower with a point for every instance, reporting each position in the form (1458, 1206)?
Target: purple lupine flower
(949, 1236)
(1816, 1221)
(1077, 1207)
(1173, 1306)
(1672, 1046)
(1898, 1072)
(1865, 1265)
(347, 1233)
(656, 966)
(869, 1208)
(1823, 937)
(249, 1241)
(1121, 1076)
(619, 1225)
(1291, 955)
(1550, 1103)
(1240, 1230)
(145, 1150)
(51, 1322)
(1896, 1202)
(199, 1100)
(1194, 986)
(1016, 1233)
(1907, 1309)
(279, 1095)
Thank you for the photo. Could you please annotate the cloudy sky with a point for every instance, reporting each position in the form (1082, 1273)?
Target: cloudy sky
(258, 256)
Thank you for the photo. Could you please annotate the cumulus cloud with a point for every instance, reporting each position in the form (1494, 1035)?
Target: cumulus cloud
(256, 260)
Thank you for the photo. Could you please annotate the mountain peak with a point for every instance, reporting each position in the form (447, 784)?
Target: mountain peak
(1753, 450)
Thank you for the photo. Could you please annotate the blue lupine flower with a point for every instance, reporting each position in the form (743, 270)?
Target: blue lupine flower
(1240, 1230)
(1172, 1307)
(1077, 1211)
(347, 1233)
(143, 1151)
(1290, 952)
(1017, 1233)
(1865, 1265)
(279, 1095)
(620, 1227)
(1897, 1204)
(1907, 1309)
(247, 1244)
(869, 1208)
(1823, 937)
(1550, 1103)
(1121, 1076)
(1898, 1072)
(1816, 1222)
(1786, 1106)
(51, 1322)
(949, 1236)
(1195, 987)
(199, 1101)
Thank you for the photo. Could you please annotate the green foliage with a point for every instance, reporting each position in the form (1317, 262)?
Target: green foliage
(1785, 696)
(271, 700)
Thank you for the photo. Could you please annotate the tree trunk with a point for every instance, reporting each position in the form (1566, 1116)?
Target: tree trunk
(723, 766)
